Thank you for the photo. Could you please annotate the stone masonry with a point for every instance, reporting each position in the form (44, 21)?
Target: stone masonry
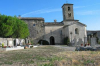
(36, 27)
(55, 32)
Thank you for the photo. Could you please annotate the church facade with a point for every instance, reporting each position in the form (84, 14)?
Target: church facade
(55, 32)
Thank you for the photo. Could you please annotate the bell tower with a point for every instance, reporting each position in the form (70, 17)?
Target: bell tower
(68, 12)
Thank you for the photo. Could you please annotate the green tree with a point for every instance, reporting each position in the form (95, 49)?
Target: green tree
(97, 39)
(12, 27)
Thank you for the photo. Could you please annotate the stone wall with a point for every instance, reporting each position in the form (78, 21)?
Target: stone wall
(66, 12)
(55, 31)
(36, 28)
(69, 30)
(81, 33)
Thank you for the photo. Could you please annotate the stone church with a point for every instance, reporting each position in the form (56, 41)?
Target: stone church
(55, 32)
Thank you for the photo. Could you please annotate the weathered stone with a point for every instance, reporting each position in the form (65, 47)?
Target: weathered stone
(93, 42)
(58, 30)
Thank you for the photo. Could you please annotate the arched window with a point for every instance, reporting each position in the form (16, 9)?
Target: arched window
(68, 8)
(76, 31)
(33, 24)
(69, 14)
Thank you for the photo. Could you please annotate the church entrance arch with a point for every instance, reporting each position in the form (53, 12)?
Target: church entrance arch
(52, 40)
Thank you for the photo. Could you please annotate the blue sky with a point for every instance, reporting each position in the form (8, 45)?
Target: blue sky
(86, 11)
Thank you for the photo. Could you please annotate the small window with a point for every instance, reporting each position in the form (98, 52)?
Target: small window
(33, 24)
(68, 8)
(69, 14)
(76, 31)
(63, 9)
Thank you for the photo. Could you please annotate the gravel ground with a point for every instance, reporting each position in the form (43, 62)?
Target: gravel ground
(66, 47)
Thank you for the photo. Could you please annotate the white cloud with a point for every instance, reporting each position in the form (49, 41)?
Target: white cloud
(59, 9)
(91, 12)
(42, 11)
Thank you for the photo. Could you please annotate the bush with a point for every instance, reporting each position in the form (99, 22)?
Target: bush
(32, 42)
(2, 44)
(66, 41)
(97, 39)
(31, 46)
(99, 42)
(44, 42)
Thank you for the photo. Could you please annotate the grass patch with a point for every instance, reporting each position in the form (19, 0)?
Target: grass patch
(50, 59)
(49, 64)
(8, 62)
(49, 55)
(88, 61)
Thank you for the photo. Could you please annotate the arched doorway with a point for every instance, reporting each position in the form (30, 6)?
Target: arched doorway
(52, 40)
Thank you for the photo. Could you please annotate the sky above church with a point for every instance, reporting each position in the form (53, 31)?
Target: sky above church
(86, 11)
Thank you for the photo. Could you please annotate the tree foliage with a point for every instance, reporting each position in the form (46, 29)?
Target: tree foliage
(44, 42)
(12, 27)
(97, 39)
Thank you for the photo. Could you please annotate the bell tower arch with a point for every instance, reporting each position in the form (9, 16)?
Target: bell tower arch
(68, 12)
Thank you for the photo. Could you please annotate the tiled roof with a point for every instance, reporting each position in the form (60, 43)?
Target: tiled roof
(30, 18)
(54, 24)
(74, 23)
(71, 20)
(67, 4)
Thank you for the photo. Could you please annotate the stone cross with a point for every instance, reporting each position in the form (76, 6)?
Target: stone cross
(67, 1)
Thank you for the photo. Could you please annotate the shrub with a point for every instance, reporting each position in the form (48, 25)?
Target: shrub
(97, 39)
(44, 42)
(66, 40)
(2, 44)
(89, 42)
(99, 42)
(31, 46)
(32, 42)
